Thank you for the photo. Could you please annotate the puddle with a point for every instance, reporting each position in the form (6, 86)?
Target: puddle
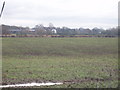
(30, 84)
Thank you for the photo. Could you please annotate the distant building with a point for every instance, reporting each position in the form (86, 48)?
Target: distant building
(32, 30)
(6, 29)
(54, 31)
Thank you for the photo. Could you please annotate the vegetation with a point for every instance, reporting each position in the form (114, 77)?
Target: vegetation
(40, 30)
(77, 62)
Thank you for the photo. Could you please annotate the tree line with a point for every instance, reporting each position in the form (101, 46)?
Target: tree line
(40, 30)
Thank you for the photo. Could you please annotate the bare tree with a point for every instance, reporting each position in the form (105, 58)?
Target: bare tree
(51, 26)
(39, 30)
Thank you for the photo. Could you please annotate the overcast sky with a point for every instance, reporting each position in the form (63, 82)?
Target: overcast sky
(69, 13)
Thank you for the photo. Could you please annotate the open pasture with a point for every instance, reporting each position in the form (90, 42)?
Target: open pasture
(77, 62)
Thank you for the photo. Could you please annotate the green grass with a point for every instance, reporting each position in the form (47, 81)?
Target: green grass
(78, 62)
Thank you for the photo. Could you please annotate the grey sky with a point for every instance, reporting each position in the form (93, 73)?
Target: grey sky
(70, 13)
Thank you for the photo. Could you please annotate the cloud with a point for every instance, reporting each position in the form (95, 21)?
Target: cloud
(71, 13)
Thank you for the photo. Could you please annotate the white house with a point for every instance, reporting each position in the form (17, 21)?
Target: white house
(54, 31)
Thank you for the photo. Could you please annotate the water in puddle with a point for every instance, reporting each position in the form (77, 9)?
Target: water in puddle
(30, 84)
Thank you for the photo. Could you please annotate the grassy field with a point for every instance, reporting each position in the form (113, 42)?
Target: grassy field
(77, 62)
